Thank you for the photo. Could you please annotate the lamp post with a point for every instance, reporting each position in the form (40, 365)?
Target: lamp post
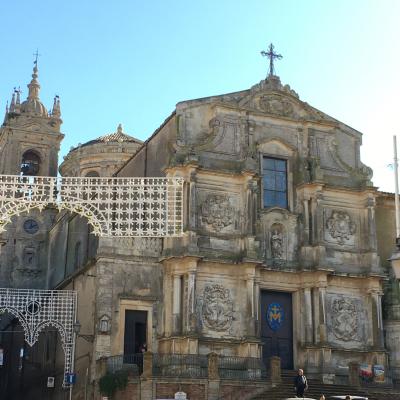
(77, 328)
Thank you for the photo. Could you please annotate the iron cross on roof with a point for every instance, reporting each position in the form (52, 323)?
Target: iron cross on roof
(36, 55)
(272, 56)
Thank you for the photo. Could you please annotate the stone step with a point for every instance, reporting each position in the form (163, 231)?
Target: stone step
(317, 388)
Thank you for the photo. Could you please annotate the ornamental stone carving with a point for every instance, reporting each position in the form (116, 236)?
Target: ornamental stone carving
(340, 226)
(345, 319)
(217, 308)
(216, 212)
(276, 105)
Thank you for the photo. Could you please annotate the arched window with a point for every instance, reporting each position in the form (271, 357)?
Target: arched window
(30, 163)
(77, 256)
(92, 174)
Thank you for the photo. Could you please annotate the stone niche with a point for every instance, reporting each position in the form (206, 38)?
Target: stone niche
(340, 227)
(347, 321)
(279, 236)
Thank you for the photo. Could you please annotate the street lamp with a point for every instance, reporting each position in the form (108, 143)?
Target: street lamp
(77, 328)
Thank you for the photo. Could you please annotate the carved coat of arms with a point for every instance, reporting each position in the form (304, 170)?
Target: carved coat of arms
(217, 309)
(276, 105)
(340, 226)
(217, 212)
(344, 320)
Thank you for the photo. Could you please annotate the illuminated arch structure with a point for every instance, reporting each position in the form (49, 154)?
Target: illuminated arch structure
(38, 309)
(117, 207)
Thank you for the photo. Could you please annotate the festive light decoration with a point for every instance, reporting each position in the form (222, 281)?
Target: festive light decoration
(117, 207)
(38, 309)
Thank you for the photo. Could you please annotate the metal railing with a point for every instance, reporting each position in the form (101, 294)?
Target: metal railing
(180, 365)
(241, 368)
(129, 362)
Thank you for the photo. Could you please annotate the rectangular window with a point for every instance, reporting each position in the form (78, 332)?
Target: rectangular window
(274, 182)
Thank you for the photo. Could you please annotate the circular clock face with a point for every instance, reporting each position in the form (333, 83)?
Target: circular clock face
(31, 226)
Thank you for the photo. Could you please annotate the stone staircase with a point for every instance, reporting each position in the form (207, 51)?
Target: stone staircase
(316, 388)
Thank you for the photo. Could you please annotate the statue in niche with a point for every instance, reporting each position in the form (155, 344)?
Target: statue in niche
(276, 243)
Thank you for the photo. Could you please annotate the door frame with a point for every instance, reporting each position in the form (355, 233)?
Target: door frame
(296, 317)
(133, 305)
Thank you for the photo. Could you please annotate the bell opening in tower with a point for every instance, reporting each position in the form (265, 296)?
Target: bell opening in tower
(30, 164)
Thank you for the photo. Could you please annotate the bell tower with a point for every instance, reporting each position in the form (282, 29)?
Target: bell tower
(30, 139)
(30, 136)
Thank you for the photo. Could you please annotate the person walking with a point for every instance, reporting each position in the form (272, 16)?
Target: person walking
(300, 383)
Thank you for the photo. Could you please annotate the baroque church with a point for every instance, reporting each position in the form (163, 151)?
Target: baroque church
(282, 261)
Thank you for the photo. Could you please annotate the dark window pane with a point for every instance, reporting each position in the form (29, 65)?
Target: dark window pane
(274, 182)
(269, 163)
(280, 198)
(269, 198)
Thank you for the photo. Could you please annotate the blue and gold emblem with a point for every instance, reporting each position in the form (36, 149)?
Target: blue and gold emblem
(275, 316)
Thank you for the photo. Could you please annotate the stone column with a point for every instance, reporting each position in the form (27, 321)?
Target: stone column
(377, 322)
(176, 305)
(257, 308)
(322, 315)
(147, 364)
(275, 368)
(250, 305)
(354, 379)
(308, 317)
(316, 316)
(306, 222)
(191, 302)
(213, 377)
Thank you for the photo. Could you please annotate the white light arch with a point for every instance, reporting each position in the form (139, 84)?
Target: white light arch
(115, 207)
(37, 309)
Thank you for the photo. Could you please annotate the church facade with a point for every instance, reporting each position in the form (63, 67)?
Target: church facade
(284, 247)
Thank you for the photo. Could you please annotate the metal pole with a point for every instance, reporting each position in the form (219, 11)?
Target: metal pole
(73, 347)
(396, 186)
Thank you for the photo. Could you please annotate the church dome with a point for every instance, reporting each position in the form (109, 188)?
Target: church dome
(34, 106)
(116, 137)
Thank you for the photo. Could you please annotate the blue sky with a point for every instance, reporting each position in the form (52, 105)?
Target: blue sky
(131, 61)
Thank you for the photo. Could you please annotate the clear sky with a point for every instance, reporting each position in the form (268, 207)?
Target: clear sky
(131, 61)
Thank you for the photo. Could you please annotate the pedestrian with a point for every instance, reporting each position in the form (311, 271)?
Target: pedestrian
(143, 348)
(300, 383)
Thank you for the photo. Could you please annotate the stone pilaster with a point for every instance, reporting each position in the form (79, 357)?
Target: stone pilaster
(176, 304)
(308, 316)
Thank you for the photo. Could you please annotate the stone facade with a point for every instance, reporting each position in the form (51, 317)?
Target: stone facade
(202, 293)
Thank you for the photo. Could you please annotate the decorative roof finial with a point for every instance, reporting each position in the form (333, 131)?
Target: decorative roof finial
(17, 108)
(119, 129)
(34, 86)
(12, 104)
(6, 115)
(272, 56)
(56, 112)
